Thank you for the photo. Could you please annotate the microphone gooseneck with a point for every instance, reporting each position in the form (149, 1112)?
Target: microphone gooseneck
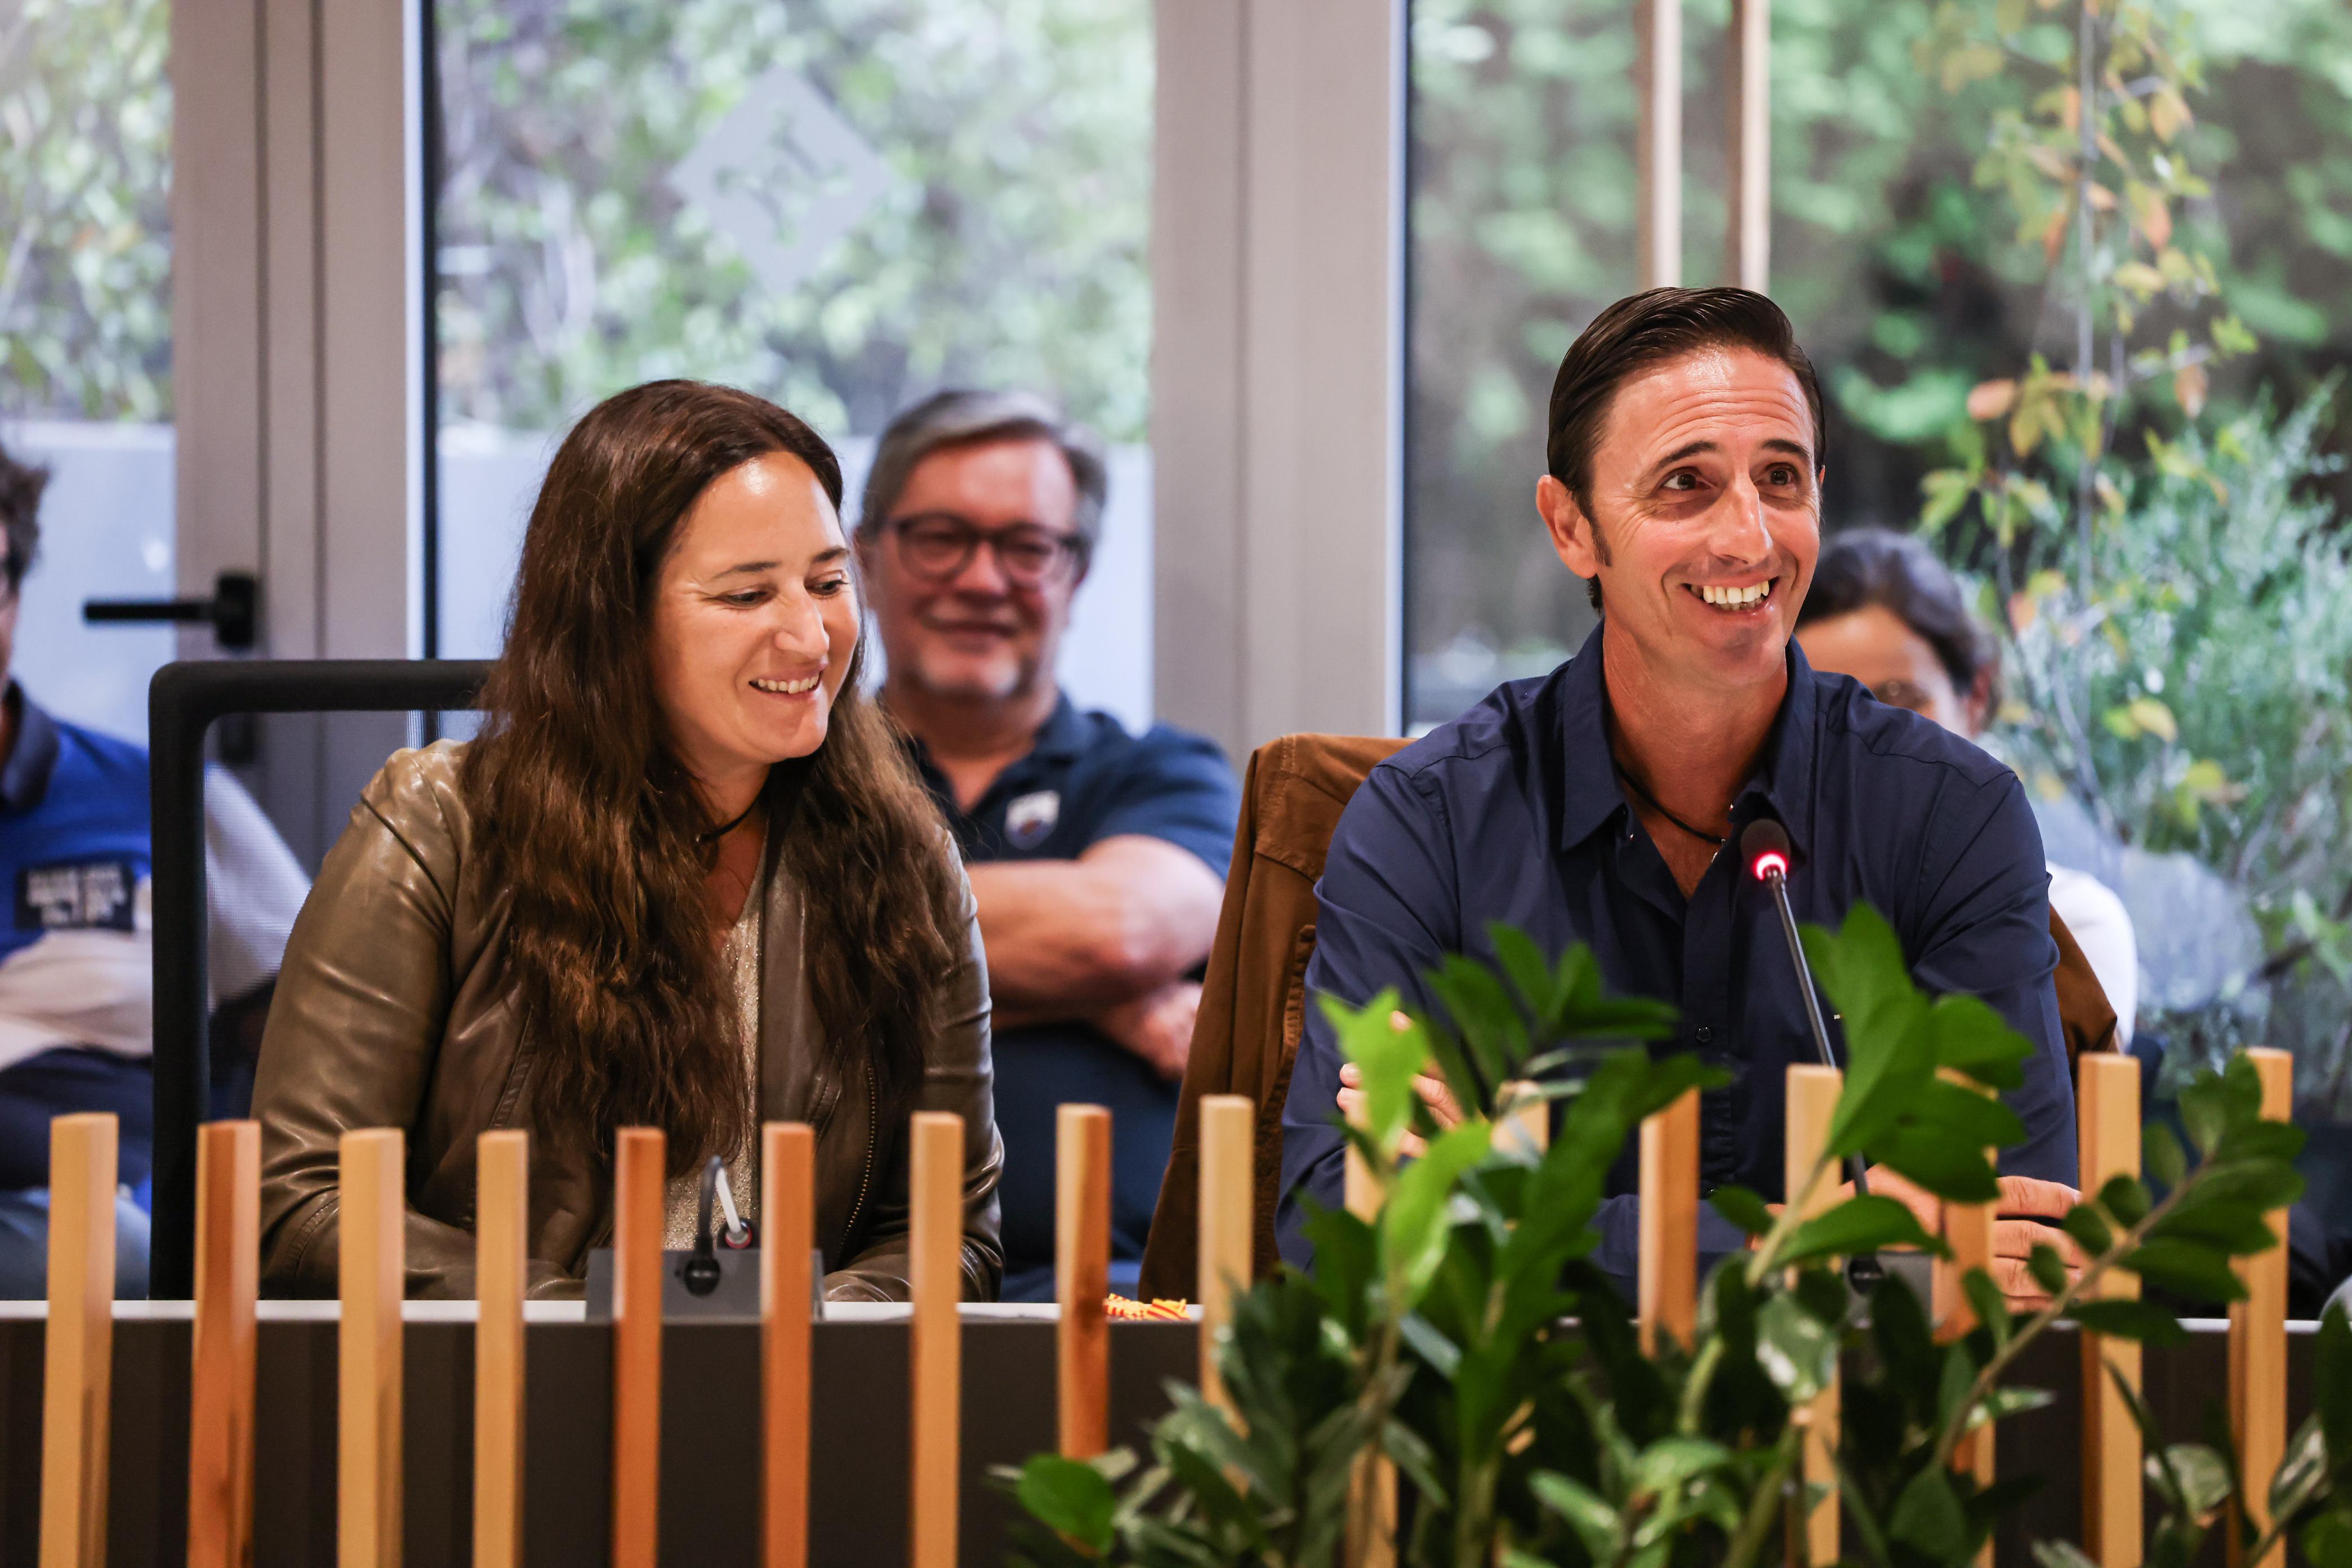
(1764, 843)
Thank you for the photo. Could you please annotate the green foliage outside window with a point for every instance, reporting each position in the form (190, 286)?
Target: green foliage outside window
(1007, 245)
(85, 230)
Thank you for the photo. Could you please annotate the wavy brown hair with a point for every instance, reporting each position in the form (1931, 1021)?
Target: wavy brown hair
(587, 821)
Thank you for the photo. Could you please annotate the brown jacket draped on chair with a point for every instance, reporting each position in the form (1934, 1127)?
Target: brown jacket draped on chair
(1253, 1001)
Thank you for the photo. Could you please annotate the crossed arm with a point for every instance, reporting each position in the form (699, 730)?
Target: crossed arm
(1105, 939)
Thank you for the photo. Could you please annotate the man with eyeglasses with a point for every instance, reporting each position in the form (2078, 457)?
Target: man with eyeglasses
(1098, 857)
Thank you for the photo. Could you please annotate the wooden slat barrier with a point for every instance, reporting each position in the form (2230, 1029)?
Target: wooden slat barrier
(1082, 1278)
(1658, 140)
(2258, 1341)
(1371, 1536)
(77, 1357)
(1812, 1103)
(373, 1241)
(1668, 1286)
(1967, 1231)
(220, 1379)
(501, 1279)
(1228, 1148)
(2106, 1112)
(640, 1205)
(788, 1233)
(935, 1351)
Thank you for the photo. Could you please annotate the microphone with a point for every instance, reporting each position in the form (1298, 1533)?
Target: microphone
(1764, 843)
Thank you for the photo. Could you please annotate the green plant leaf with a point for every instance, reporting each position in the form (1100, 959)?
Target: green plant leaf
(1595, 1522)
(1388, 1057)
(1927, 1515)
(2089, 1231)
(1991, 1307)
(2203, 1474)
(1861, 968)
(2130, 1318)
(1742, 1208)
(1673, 1460)
(2125, 1198)
(2301, 1473)
(1797, 1350)
(1859, 1224)
(1951, 1167)
(1070, 1498)
(1971, 1038)
(2061, 1554)
(2327, 1540)
(2049, 1269)
(2194, 1271)
(2161, 1155)
(1413, 1225)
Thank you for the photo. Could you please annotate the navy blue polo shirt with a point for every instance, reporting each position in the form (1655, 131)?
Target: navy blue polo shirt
(1513, 813)
(1086, 780)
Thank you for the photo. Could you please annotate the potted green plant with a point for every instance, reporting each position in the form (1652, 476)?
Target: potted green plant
(1460, 1333)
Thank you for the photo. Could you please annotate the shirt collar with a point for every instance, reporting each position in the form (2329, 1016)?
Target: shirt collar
(1782, 787)
(1065, 734)
(25, 777)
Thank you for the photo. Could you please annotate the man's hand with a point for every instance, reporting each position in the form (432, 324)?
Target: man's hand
(1156, 1026)
(2024, 1200)
(1431, 1090)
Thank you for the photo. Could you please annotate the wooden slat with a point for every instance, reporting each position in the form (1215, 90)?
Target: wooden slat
(78, 1350)
(1658, 140)
(639, 1207)
(1526, 1125)
(2258, 1339)
(1669, 1230)
(788, 1234)
(1812, 1103)
(1228, 1146)
(1749, 234)
(501, 1276)
(934, 1182)
(220, 1383)
(2106, 1111)
(1371, 1490)
(1967, 1231)
(1082, 1276)
(372, 1237)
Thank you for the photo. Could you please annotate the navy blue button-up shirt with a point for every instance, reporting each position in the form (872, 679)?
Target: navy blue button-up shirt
(1513, 813)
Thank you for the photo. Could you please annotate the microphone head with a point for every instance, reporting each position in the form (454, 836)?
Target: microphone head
(1765, 845)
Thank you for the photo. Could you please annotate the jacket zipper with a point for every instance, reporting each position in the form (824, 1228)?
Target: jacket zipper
(865, 1175)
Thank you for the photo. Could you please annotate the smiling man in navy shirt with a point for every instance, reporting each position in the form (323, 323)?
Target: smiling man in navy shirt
(1098, 857)
(1595, 803)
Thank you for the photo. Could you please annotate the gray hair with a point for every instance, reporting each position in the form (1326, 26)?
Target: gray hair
(962, 417)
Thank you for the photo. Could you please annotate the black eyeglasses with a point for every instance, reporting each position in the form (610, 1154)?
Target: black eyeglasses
(938, 545)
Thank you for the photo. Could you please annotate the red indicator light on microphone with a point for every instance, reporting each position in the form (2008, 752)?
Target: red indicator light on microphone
(1769, 864)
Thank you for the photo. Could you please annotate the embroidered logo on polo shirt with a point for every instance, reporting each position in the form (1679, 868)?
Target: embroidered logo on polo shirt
(78, 895)
(1029, 817)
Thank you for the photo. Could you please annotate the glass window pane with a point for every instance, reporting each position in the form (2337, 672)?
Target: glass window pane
(86, 340)
(842, 205)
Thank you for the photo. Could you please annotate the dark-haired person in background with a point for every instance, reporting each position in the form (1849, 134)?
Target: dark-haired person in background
(76, 999)
(1884, 610)
(1599, 804)
(685, 879)
(1098, 857)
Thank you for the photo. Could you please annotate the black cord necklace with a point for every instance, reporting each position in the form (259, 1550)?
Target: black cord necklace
(1630, 782)
(715, 834)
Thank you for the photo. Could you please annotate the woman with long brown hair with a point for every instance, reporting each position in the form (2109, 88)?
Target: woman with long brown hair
(686, 878)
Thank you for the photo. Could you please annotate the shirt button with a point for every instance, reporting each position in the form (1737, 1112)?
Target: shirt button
(1704, 1033)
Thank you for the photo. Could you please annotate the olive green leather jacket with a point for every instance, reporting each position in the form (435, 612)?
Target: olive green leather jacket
(394, 1010)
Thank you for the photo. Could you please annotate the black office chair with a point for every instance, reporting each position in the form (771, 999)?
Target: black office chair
(181, 703)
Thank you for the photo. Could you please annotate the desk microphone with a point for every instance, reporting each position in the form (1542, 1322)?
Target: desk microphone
(1764, 843)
